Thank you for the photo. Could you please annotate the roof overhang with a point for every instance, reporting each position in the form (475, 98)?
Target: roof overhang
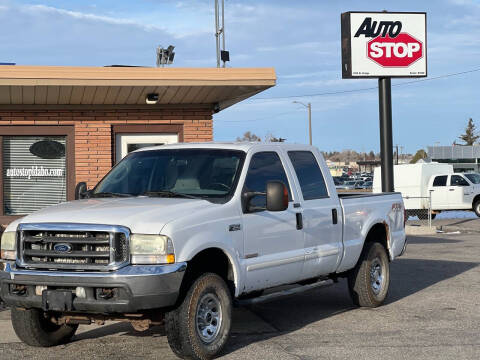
(64, 85)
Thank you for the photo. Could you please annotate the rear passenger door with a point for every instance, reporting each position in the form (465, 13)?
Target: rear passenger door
(321, 212)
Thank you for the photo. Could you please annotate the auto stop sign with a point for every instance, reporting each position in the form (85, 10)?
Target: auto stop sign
(384, 45)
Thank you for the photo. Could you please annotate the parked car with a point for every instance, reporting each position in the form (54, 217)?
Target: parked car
(359, 184)
(180, 232)
(347, 185)
(367, 185)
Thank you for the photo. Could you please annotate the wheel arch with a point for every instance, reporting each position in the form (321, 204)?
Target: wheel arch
(215, 260)
(379, 232)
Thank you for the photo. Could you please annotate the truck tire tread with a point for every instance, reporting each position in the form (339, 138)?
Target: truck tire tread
(359, 282)
(35, 330)
(180, 322)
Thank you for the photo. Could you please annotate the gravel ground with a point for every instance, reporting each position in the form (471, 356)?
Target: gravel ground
(432, 312)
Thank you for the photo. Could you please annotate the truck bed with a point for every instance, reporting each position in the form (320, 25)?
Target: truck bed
(360, 212)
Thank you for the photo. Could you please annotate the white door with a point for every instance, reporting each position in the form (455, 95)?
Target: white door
(274, 247)
(321, 216)
(126, 143)
(439, 192)
(460, 193)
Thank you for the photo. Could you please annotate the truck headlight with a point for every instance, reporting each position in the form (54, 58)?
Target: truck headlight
(151, 249)
(8, 249)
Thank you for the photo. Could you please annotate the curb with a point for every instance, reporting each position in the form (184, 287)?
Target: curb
(452, 228)
(420, 230)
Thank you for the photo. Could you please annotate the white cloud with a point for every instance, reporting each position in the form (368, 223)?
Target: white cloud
(87, 16)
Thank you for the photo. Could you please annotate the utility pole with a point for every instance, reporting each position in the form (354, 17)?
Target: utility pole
(309, 108)
(396, 147)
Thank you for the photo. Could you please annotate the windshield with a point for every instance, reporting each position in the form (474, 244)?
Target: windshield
(202, 173)
(474, 178)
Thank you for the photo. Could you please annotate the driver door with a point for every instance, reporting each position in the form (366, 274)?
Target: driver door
(274, 247)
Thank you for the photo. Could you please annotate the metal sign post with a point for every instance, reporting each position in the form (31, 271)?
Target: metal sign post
(386, 138)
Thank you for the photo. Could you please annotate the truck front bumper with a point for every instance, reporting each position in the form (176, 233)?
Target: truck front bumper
(128, 290)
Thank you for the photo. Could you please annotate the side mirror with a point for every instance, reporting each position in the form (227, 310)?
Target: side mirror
(277, 196)
(80, 190)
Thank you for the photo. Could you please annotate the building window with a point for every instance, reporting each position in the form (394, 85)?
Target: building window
(37, 168)
(128, 138)
(34, 173)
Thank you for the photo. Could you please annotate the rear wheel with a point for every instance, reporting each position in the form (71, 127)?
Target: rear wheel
(34, 328)
(368, 282)
(200, 326)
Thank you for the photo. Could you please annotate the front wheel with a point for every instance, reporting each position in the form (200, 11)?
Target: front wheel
(476, 208)
(34, 328)
(199, 327)
(368, 282)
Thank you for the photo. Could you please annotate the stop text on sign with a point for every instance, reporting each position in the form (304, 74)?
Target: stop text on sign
(383, 44)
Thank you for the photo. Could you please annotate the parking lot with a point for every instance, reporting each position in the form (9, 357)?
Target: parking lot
(432, 312)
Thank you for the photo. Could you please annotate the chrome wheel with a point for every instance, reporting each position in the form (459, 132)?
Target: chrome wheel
(208, 318)
(376, 276)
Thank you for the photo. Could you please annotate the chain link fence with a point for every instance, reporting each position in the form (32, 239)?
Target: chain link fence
(419, 211)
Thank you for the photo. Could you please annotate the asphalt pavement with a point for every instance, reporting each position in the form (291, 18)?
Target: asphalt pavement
(432, 312)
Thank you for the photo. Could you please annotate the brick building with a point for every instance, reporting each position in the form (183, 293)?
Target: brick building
(63, 125)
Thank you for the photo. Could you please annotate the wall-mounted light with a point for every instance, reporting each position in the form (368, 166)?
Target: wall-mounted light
(151, 99)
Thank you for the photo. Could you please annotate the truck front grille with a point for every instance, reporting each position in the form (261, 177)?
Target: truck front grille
(63, 247)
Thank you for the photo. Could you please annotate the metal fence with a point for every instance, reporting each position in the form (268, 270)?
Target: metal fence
(419, 211)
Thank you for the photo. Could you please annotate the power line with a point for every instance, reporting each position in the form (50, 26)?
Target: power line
(363, 89)
(259, 119)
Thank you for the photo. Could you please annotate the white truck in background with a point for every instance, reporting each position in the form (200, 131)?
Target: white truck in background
(183, 232)
(433, 186)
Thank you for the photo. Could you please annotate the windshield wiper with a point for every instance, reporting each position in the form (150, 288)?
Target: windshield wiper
(168, 193)
(109, 194)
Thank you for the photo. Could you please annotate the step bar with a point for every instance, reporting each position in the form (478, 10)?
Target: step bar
(283, 293)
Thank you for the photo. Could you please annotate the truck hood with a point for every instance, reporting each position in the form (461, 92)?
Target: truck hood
(144, 215)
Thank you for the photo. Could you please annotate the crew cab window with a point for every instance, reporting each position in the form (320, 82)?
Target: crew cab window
(264, 167)
(309, 175)
(440, 181)
(457, 180)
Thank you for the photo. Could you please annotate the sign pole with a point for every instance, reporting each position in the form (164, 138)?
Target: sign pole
(386, 141)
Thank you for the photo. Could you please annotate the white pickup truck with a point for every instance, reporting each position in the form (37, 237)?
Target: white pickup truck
(433, 187)
(180, 233)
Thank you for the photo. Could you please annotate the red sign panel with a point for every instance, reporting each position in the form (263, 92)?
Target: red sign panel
(402, 50)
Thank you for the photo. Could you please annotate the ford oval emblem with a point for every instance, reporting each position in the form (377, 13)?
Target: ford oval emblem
(62, 248)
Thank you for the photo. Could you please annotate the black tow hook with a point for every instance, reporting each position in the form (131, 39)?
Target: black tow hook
(105, 294)
(19, 290)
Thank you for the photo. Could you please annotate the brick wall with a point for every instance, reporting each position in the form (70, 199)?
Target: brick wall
(93, 131)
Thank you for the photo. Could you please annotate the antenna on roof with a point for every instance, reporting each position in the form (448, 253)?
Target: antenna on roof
(222, 55)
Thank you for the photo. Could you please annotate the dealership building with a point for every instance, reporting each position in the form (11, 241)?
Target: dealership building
(462, 158)
(63, 125)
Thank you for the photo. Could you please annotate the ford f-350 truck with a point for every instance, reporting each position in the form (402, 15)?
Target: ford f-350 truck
(180, 233)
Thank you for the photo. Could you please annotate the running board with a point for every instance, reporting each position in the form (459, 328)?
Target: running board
(296, 290)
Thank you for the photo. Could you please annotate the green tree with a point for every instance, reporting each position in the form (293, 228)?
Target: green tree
(470, 136)
(420, 154)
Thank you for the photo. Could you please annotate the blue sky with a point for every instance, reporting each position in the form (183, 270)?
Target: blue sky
(300, 39)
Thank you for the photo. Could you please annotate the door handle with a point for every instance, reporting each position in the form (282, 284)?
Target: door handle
(334, 216)
(451, 189)
(299, 221)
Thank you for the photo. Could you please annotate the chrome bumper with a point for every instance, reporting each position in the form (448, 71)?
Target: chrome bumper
(136, 287)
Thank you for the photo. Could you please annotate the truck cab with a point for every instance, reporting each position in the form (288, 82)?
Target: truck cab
(455, 192)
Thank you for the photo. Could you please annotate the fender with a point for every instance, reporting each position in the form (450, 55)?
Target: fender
(196, 244)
